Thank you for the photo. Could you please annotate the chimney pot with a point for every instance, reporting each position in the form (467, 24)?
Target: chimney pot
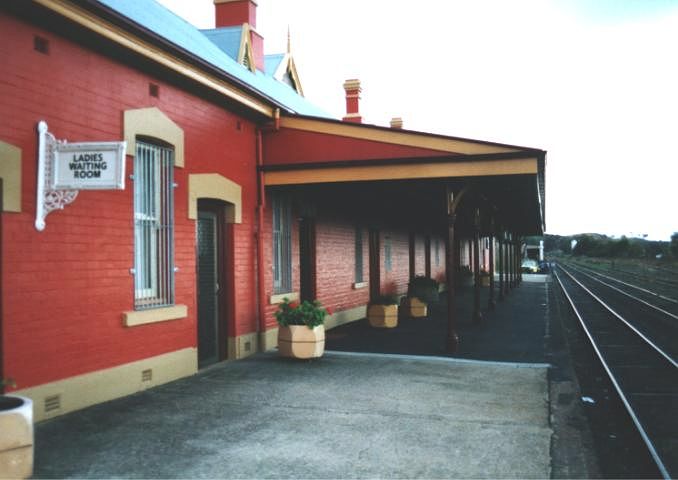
(352, 88)
(397, 123)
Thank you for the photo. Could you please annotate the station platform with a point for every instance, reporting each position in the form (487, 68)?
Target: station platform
(514, 331)
(407, 410)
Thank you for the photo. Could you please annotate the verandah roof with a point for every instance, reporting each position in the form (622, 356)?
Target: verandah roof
(308, 151)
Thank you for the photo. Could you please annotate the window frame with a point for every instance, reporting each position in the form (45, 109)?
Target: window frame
(153, 206)
(281, 232)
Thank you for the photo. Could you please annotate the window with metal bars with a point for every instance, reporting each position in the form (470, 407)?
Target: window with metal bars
(388, 260)
(358, 255)
(282, 244)
(437, 248)
(153, 226)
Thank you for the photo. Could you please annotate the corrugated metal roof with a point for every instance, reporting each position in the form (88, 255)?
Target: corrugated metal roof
(271, 62)
(178, 31)
(226, 38)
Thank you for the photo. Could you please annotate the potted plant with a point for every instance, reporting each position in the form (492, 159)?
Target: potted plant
(420, 292)
(301, 331)
(423, 288)
(383, 312)
(464, 276)
(484, 278)
(16, 435)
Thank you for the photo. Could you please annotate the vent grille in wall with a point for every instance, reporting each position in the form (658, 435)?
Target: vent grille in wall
(52, 403)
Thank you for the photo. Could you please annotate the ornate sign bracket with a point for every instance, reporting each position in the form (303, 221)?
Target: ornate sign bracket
(48, 199)
(66, 168)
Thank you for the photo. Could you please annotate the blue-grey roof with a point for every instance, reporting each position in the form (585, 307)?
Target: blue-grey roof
(271, 62)
(226, 38)
(178, 31)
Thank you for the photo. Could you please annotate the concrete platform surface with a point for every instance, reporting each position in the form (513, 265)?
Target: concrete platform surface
(346, 415)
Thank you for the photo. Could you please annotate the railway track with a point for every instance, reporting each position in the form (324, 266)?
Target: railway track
(636, 342)
(656, 278)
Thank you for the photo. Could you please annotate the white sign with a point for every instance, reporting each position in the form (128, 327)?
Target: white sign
(65, 168)
(89, 166)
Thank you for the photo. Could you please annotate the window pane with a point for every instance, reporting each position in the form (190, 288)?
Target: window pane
(282, 244)
(358, 255)
(153, 226)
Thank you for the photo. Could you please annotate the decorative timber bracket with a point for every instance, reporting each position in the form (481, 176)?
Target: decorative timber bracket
(66, 168)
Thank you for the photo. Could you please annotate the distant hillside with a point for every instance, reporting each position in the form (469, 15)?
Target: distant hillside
(598, 245)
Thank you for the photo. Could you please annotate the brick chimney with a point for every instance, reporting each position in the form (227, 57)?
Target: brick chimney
(397, 123)
(352, 87)
(235, 13)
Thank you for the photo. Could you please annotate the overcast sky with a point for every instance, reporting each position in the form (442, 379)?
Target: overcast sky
(593, 82)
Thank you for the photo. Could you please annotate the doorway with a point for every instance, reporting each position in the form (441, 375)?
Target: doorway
(211, 283)
(307, 259)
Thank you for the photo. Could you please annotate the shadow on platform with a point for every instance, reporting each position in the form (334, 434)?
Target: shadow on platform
(513, 332)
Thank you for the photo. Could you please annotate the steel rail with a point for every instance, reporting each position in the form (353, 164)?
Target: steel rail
(622, 319)
(626, 293)
(661, 281)
(648, 442)
(594, 271)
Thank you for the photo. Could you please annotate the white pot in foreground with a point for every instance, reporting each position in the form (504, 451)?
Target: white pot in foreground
(16, 437)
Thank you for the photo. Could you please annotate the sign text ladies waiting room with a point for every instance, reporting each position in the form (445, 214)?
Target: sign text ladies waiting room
(65, 168)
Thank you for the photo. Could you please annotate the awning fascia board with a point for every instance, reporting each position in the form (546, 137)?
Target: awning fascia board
(402, 171)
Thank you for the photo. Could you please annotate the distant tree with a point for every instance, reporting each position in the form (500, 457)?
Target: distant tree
(620, 248)
(674, 244)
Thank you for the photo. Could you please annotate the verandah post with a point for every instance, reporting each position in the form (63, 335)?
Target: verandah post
(491, 303)
(452, 341)
(477, 316)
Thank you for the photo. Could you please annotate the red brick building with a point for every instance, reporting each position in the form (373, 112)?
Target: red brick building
(238, 192)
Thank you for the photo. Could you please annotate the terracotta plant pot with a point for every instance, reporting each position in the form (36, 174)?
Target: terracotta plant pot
(383, 316)
(16, 437)
(299, 341)
(414, 307)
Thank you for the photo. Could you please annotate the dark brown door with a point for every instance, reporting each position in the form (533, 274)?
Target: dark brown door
(307, 258)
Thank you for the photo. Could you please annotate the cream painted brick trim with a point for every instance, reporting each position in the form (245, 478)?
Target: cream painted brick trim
(217, 187)
(135, 318)
(359, 285)
(152, 122)
(345, 316)
(279, 297)
(91, 388)
(10, 172)
(242, 346)
(269, 339)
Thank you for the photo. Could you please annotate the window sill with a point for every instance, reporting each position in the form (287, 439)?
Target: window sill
(135, 318)
(279, 297)
(359, 285)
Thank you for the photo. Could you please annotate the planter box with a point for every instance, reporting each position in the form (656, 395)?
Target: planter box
(299, 341)
(415, 307)
(383, 316)
(16, 437)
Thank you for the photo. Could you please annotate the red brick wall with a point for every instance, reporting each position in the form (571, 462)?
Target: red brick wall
(395, 281)
(419, 255)
(335, 265)
(64, 289)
